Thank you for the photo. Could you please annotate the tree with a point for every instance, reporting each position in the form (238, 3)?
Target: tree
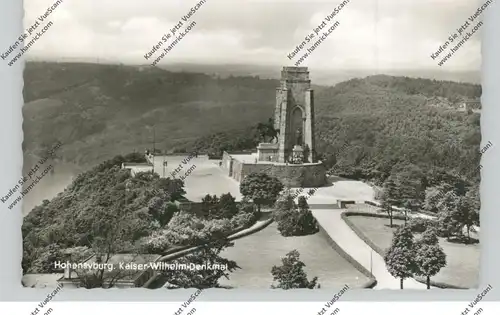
(291, 274)
(434, 195)
(227, 206)
(161, 210)
(224, 207)
(457, 213)
(429, 237)
(209, 205)
(468, 212)
(399, 259)
(410, 181)
(307, 223)
(390, 197)
(430, 257)
(284, 206)
(211, 268)
(173, 188)
(261, 188)
(447, 218)
(302, 203)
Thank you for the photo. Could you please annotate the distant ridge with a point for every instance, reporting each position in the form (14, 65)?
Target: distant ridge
(319, 75)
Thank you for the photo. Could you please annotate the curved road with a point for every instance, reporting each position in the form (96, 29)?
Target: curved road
(345, 237)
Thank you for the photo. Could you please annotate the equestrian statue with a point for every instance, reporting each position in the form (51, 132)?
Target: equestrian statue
(268, 132)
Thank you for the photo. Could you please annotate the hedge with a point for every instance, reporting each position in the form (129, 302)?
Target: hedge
(381, 251)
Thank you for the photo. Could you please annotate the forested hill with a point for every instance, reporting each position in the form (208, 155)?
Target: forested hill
(99, 111)
(370, 94)
(389, 120)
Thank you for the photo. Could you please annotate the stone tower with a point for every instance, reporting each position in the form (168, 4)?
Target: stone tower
(294, 114)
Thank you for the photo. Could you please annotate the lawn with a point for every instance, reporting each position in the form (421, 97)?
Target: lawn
(462, 260)
(256, 254)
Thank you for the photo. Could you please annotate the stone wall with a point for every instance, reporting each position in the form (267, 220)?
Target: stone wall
(226, 163)
(303, 175)
(237, 170)
(295, 175)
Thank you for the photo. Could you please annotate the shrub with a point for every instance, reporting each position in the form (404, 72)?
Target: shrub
(307, 223)
(288, 225)
(246, 207)
(293, 222)
(243, 219)
(187, 229)
(420, 225)
(284, 207)
(302, 203)
(298, 223)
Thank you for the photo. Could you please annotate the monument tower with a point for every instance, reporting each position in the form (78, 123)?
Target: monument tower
(288, 149)
(294, 116)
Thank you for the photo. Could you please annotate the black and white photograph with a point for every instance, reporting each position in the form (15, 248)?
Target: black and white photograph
(250, 144)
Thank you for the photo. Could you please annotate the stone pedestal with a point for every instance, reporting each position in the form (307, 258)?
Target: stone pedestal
(267, 152)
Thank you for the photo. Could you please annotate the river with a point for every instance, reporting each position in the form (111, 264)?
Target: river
(50, 185)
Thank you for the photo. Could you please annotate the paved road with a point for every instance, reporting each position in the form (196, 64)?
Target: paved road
(345, 237)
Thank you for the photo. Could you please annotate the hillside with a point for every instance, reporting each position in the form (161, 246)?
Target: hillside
(106, 210)
(98, 111)
(385, 120)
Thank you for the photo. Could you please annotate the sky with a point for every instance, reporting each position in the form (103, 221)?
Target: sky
(372, 34)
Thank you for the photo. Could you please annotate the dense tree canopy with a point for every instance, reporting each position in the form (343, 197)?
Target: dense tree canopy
(104, 209)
